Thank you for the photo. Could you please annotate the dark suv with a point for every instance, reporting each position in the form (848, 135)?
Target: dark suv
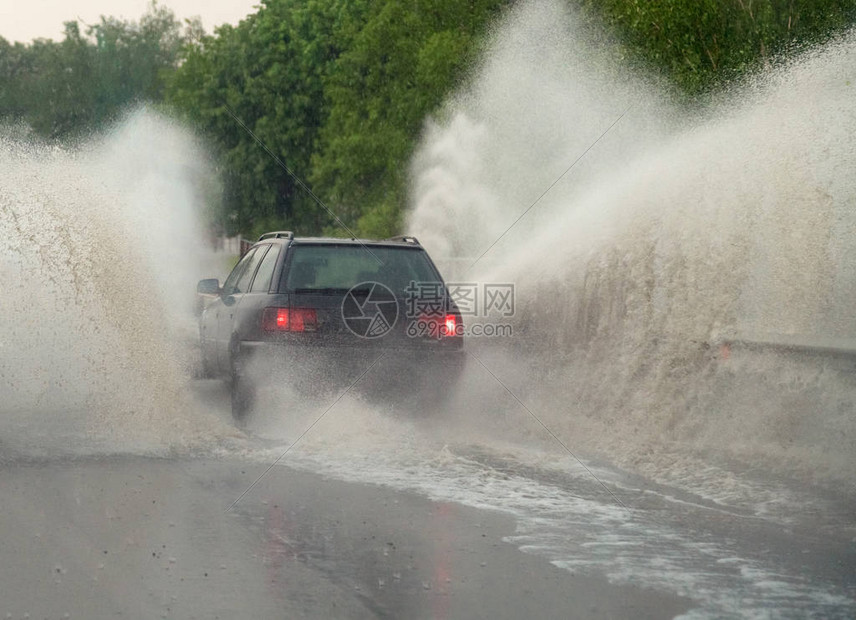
(320, 311)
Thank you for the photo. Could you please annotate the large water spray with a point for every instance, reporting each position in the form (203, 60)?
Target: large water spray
(674, 235)
(99, 247)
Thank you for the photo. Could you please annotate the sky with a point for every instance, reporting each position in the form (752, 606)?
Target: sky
(29, 19)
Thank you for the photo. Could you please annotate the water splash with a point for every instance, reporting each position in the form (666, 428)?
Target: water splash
(97, 247)
(675, 233)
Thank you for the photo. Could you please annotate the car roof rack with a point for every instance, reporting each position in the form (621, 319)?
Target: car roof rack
(404, 239)
(279, 234)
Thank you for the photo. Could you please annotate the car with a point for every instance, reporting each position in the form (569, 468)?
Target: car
(325, 312)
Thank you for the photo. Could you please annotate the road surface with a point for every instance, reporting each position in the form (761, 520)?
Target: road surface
(389, 523)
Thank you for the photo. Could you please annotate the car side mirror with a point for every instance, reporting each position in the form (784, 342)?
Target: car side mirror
(210, 286)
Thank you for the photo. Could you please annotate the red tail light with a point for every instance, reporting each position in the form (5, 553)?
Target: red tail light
(450, 325)
(289, 320)
(443, 326)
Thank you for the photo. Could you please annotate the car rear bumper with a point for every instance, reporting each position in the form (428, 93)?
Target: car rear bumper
(373, 370)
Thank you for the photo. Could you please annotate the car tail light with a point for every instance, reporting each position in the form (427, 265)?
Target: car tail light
(289, 320)
(443, 326)
(450, 324)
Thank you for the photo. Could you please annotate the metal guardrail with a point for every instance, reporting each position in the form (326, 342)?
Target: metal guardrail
(796, 343)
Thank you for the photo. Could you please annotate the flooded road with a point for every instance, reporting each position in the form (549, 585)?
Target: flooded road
(666, 429)
(399, 521)
(114, 537)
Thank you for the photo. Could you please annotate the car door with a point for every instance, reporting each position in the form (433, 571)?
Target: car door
(257, 298)
(209, 325)
(217, 311)
(233, 292)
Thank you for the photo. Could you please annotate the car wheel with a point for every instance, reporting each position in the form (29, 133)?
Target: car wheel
(204, 370)
(242, 391)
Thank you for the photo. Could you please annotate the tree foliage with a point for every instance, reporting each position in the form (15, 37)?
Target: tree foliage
(257, 91)
(64, 88)
(399, 68)
(334, 92)
(337, 90)
(702, 44)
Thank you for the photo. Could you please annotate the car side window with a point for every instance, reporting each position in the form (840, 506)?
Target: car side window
(229, 286)
(263, 277)
(243, 284)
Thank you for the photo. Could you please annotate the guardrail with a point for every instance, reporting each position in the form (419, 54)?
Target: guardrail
(796, 343)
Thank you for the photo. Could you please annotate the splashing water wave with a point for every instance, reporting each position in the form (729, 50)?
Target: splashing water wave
(97, 247)
(676, 234)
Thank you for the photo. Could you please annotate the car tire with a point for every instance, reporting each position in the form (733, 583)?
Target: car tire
(205, 369)
(242, 390)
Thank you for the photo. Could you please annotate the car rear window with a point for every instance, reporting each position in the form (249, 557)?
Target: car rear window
(334, 269)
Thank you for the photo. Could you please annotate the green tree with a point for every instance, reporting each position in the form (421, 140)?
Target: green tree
(65, 88)
(266, 76)
(337, 90)
(703, 44)
(401, 66)
(57, 90)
